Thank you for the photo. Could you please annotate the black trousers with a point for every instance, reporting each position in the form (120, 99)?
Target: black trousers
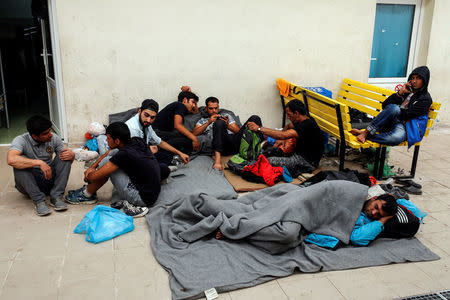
(226, 143)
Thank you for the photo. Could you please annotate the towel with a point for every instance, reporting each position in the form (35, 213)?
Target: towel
(283, 86)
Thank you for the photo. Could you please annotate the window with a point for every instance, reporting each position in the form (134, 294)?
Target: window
(394, 40)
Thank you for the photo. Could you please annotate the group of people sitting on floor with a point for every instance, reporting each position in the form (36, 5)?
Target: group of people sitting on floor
(142, 149)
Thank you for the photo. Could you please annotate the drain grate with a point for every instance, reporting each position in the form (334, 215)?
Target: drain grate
(442, 295)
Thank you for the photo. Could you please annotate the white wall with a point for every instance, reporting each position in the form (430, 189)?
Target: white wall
(439, 58)
(116, 53)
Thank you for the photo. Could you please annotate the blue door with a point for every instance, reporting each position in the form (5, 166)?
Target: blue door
(391, 40)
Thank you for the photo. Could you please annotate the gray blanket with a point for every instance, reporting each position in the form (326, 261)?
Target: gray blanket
(193, 179)
(264, 231)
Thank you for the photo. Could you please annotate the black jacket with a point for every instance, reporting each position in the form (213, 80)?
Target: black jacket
(419, 103)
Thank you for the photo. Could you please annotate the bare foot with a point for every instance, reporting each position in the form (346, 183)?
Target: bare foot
(219, 235)
(218, 166)
(355, 131)
(362, 136)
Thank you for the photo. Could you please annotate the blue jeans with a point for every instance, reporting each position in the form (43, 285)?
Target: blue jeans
(392, 130)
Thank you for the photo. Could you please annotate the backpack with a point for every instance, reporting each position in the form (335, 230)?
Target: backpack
(249, 151)
(250, 147)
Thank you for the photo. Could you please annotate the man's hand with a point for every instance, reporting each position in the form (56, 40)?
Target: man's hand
(185, 88)
(154, 149)
(406, 89)
(195, 145)
(46, 170)
(87, 172)
(383, 220)
(278, 143)
(252, 126)
(226, 119)
(184, 157)
(66, 154)
(213, 118)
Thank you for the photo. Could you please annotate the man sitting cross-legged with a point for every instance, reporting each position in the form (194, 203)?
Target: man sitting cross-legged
(141, 185)
(37, 171)
(221, 130)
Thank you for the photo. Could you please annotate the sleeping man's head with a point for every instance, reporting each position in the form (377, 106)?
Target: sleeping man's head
(381, 206)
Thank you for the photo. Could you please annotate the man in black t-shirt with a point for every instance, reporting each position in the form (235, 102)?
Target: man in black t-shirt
(309, 137)
(169, 123)
(134, 157)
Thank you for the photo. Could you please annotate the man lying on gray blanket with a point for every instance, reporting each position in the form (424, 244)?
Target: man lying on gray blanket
(381, 216)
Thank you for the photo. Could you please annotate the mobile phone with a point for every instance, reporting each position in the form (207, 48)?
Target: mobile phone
(409, 88)
(178, 175)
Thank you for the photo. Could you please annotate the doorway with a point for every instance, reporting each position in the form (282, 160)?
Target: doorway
(28, 82)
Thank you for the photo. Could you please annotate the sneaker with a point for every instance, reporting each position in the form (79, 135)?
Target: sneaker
(42, 209)
(173, 168)
(58, 204)
(176, 161)
(117, 204)
(134, 211)
(77, 190)
(78, 197)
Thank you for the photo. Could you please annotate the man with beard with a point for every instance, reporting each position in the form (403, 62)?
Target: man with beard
(140, 125)
(381, 216)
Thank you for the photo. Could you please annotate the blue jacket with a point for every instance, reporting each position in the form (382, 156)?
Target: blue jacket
(365, 229)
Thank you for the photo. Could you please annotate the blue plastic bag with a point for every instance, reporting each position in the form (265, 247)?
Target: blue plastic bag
(104, 223)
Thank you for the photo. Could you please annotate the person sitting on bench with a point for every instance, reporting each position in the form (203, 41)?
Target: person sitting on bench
(411, 101)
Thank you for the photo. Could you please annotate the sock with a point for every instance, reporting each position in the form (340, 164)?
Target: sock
(86, 193)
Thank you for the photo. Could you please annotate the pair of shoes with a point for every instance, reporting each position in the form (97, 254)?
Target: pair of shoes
(410, 189)
(42, 209)
(58, 204)
(134, 211)
(78, 197)
(408, 182)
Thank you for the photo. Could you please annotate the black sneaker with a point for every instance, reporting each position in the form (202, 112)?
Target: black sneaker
(134, 211)
(117, 204)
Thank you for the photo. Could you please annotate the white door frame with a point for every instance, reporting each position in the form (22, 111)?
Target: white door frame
(53, 25)
(414, 45)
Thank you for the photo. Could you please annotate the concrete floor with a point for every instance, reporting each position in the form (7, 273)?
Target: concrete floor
(41, 257)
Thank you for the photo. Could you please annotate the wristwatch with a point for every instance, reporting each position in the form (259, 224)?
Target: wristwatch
(259, 128)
